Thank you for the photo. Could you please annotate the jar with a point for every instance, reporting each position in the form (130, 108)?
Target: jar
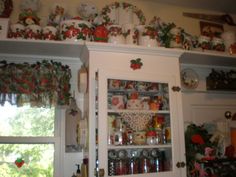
(49, 33)
(148, 36)
(121, 163)
(75, 30)
(115, 34)
(155, 160)
(176, 40)
(33, 32)
(17, 31)
(140, 138)
(145, 165)
(112, 156)
(218, 44)
(133, 162)
(229, 38)
(151, 138)
(204, 42)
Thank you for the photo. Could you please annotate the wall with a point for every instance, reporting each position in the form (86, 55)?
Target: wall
(150, 8)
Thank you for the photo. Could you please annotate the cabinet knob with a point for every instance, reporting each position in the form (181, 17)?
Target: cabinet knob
(176, 88)
(180, 164)
(228, 115)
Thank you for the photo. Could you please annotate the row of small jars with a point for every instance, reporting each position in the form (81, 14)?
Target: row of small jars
(215, 43)
(123, 162)
(74, 30)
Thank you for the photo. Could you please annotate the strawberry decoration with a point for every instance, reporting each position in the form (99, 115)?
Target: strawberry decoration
(136, 64)
(19, 162)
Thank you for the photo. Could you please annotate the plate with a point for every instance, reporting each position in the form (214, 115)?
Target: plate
(189, 78)
(6, 7)
(121, 13)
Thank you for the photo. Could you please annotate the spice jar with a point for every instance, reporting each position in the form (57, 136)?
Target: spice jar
(144, 162)
(112, 155)
(121, 163)
(133, 162)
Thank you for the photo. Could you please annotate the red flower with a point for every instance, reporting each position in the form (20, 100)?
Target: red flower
(197, 139)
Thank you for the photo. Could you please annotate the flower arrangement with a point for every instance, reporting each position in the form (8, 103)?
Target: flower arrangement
(199, 148)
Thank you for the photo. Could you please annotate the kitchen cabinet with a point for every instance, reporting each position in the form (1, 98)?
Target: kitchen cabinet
(108, 63)
(117, 110)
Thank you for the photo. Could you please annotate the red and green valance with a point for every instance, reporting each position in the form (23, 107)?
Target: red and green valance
(43, 83)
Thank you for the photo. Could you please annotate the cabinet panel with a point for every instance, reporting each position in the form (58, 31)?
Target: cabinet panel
(202, 107)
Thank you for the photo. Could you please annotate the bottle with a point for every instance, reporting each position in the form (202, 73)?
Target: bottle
(84, 168)
(78, 174)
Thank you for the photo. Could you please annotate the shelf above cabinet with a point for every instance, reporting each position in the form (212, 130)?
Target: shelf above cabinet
(74, 50)
(208, 58)
(41, 48)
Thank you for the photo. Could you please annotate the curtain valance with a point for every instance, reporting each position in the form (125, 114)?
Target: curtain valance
(43, 83)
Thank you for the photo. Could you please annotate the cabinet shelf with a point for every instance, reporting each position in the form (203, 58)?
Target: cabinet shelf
(140, 146)
(139, 111)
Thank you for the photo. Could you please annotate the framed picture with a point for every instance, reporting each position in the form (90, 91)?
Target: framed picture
(211, 29)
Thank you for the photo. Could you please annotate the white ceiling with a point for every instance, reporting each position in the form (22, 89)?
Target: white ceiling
(224, 6)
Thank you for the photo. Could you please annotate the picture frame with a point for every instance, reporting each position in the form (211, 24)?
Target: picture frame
(211, 29)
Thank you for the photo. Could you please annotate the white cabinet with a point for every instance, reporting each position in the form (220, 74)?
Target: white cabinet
(117, 109)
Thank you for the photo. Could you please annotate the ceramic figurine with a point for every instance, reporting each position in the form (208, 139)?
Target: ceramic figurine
(28, 17)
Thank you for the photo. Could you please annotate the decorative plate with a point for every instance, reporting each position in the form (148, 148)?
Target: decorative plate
(189, 78)
(122, 13)
(6, 7)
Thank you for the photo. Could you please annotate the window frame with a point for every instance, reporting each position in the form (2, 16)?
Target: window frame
(56, 140)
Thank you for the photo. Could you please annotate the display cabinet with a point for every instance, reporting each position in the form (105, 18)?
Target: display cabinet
(135, 112)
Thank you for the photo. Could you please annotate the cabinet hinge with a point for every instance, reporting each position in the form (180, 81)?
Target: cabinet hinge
(176, 88)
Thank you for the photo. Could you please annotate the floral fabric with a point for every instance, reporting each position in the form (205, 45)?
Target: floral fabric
(44, 83)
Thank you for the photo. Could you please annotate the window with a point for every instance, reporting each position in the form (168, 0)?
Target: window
(27, 134)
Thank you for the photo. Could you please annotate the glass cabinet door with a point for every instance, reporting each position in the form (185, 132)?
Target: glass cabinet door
(134, 125)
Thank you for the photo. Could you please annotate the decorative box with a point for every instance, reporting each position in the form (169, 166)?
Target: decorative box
(4, 25)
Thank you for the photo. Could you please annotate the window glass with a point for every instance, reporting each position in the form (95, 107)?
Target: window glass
(26, 121)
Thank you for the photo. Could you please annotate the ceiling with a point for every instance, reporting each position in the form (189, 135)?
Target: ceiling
(224, 6)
